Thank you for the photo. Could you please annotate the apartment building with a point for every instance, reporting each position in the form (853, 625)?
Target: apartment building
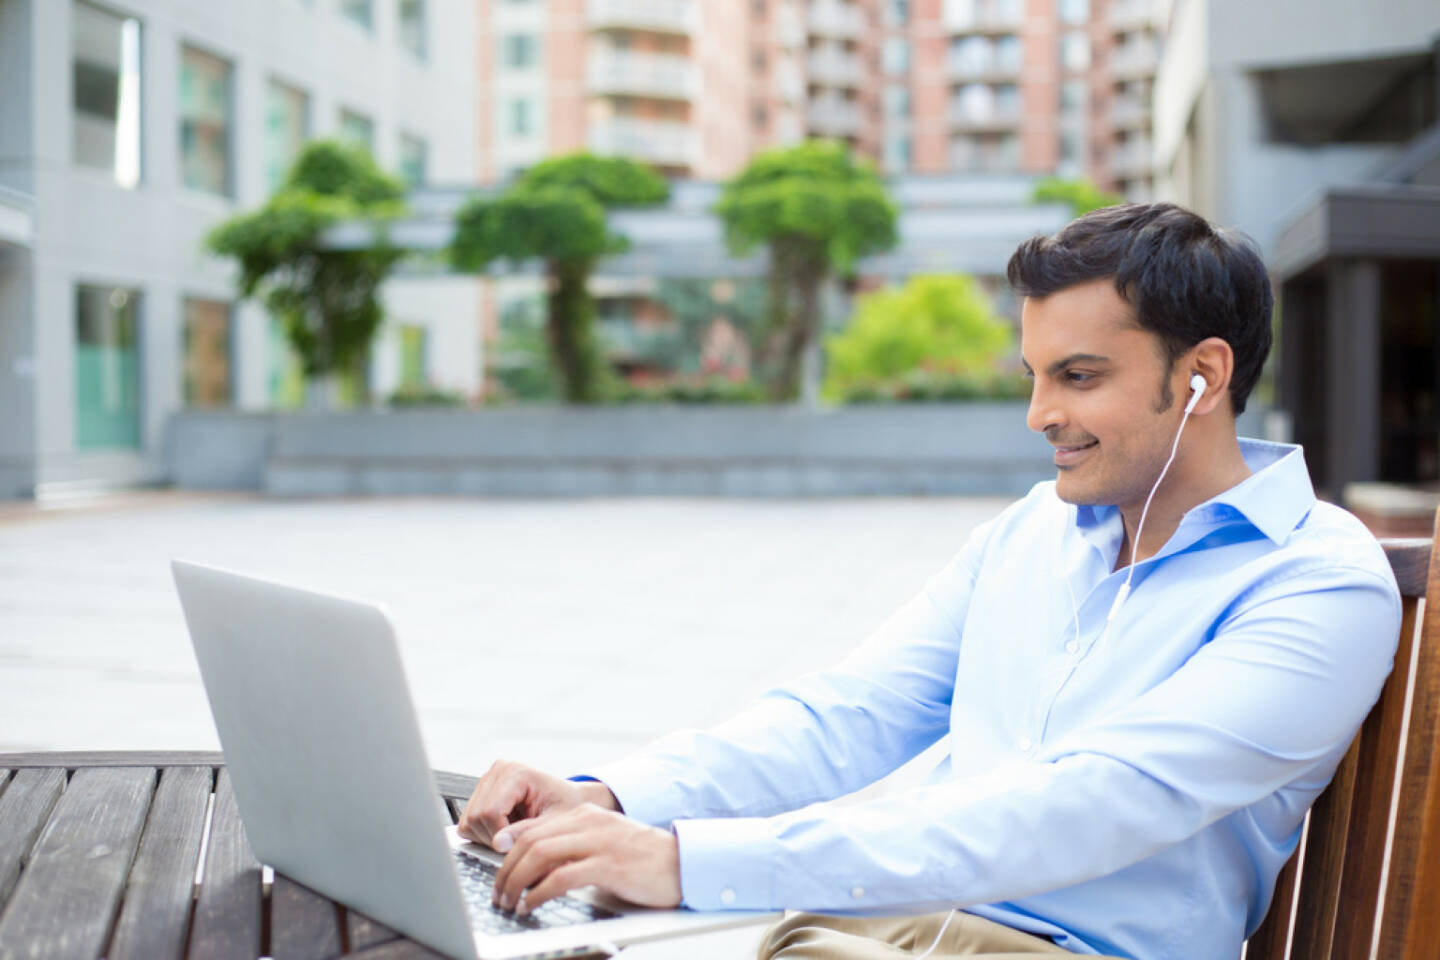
(128, 129)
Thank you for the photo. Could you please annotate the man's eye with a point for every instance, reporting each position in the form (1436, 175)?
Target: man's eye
(1075, 376)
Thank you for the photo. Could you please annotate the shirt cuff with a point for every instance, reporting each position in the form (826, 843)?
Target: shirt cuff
(727, 864)
(644, 792)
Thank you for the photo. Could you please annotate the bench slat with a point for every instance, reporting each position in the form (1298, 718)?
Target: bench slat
(1410, 927)
(156, 914)
(1359, 899)
(1316, 913)
(227, 913)
(304, 925)
(24, 807)
(65, 902)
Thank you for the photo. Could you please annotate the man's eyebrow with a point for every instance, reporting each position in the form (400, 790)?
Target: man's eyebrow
(1064, 362)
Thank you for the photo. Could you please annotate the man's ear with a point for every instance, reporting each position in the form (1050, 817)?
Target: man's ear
(1214, 360)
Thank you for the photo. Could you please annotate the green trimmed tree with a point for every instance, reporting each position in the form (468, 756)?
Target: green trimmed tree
(556, 213)
(817, 210)
(943, 324)
(327, 299)
(1079, 194)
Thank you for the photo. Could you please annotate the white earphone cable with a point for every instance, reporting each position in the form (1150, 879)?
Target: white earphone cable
(948, 917)
(1197, 389)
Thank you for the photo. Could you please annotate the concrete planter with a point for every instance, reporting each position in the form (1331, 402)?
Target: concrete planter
(977, 448)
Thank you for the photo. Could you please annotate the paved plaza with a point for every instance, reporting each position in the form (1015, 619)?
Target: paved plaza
(558, 632)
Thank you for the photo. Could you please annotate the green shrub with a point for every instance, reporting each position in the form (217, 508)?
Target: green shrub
(940, 323)
(703, 390)
(425, 395)
(934, 386)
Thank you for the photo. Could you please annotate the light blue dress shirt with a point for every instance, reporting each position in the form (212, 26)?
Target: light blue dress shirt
(1131, 792)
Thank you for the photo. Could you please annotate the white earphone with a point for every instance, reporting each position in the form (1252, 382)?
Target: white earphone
(1197, 390)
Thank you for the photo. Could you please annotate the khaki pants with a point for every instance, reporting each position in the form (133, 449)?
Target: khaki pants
(813, 936)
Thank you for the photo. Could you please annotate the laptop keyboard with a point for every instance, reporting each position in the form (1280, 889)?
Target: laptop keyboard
(477, 880)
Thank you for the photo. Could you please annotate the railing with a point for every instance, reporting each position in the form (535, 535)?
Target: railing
(970, 117)
(1131, 15)
(642, 74)
(655, 141)
(969, 16)
(833, 19)
(1128, 113)
(1133, 158)
(835, 68)
(1134, 58)
(975, 67)
(834, 117)
(666, 16)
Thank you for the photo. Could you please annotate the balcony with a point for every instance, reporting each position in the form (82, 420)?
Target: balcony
(661, 142)
(1130, 113)
(982, 16)
(1126, 16)
(967, 118)
(990, 159)
(992, 67)
(839, 20)
(1132, 60)
(660, 75)
(659, 16)
(1131, 159)
(834, 68)
(834, 118)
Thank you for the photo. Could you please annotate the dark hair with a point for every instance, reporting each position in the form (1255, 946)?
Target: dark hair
(1185, 279)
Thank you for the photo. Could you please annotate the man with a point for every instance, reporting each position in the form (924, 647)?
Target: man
(1145, 673)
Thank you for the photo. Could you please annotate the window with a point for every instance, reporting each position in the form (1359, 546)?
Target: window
(520, 118)
(107, 367)
(287, 127)
(897, 101)
(520, 50)
(896, 55)
(1074, 11)
(106, 79)
(897, 11)
(357, 129)
(412, 26)
(205, 345)
(358, 11)
(204, 122)
(1007, 53)
(1075, 50)
(414, 158)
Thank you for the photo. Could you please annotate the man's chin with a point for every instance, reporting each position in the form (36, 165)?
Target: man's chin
(1070, 491)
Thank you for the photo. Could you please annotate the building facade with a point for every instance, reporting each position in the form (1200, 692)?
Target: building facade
(130, 129)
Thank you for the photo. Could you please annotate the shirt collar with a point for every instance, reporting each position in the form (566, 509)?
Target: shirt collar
(1274, 498)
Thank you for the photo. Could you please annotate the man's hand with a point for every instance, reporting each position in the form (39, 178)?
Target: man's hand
(510, 792)
(585, 845)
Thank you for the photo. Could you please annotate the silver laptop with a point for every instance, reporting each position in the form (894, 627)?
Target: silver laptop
(334, 789)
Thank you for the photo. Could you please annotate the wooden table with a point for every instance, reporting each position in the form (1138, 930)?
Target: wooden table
(99, 855)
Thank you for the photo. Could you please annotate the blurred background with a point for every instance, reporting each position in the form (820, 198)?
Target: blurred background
(260, 259)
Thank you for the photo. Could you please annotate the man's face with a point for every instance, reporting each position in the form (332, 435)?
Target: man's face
(1100, 394)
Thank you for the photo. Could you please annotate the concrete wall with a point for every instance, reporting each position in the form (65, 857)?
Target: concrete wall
(1209, 140)
(942, 449)
(982, 448)
(17, 374)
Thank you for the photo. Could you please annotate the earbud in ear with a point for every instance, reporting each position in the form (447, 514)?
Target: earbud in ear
(1197, 390)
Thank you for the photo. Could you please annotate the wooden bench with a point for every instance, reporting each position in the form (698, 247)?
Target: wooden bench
(1366, 879)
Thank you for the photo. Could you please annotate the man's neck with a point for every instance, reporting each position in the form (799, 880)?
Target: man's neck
(1211, 468)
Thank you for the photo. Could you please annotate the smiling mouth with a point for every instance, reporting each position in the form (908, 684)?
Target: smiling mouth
(1064, 456)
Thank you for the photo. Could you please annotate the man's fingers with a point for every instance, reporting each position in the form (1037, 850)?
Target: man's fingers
(539, 851)
(498, 794)
(560, 881)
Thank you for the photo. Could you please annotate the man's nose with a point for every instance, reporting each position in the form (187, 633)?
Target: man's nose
(1043, 414)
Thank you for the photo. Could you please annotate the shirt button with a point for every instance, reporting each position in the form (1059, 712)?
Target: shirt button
(857, 893)
(1071, 647)
(1025, 744)
(727, 896)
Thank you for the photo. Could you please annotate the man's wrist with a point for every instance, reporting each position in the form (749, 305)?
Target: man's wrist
(593, 791)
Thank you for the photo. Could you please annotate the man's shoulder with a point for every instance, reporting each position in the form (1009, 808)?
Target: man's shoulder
(1333, 536)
